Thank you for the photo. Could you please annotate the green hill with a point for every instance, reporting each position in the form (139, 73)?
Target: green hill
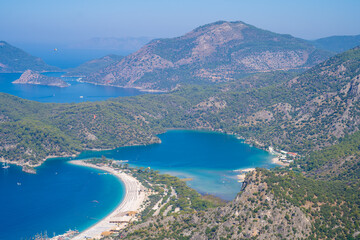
(13, 59)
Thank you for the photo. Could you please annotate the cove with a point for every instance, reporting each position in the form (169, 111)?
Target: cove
(61, 196)
(208, 158)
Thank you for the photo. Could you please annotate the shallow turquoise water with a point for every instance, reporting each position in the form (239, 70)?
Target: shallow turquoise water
(208, 158)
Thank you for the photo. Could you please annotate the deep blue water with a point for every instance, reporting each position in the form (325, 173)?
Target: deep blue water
(39, 93)
(59, 197)
(208, 158)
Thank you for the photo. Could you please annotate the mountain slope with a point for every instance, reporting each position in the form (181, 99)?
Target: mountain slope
(217, 52)
(13, 59)
(92, 66)
(310, 111)
(254, 214)
(337, 44)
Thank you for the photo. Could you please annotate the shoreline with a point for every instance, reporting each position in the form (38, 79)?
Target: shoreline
(135, 196)
(276, 160)
(141, 89)
(156, 141)
(243, 172)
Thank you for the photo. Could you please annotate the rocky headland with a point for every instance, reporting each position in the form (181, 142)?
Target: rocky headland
(31, 77)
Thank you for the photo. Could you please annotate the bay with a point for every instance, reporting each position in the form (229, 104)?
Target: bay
(77, 92)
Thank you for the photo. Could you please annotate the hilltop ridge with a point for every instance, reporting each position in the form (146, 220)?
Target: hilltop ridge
(213, 53)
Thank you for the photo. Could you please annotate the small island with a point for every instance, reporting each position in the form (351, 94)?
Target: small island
(31, 77)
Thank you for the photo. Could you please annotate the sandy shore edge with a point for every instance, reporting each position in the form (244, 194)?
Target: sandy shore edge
(135, 195)
(276, 160)
(243, 172)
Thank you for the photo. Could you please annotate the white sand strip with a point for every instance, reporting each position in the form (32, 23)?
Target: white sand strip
(135, 196)
(276, 160)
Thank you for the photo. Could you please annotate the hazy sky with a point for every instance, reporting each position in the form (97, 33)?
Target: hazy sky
(73, 20)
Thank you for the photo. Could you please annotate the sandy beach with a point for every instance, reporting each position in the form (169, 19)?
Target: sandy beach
(276, 160)
(135, 196)
(243, 172)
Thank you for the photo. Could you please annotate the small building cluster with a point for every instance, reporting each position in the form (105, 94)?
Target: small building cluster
(284, 156)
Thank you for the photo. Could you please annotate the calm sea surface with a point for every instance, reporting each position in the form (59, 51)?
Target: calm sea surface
(77, 92)
(59, 197)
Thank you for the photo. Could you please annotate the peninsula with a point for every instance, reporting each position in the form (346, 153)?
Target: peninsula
(31, 77)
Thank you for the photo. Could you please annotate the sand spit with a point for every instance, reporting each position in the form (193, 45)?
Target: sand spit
(135, 196)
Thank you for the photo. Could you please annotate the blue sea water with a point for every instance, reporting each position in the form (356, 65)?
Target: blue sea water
(59, 197)
(89, 92)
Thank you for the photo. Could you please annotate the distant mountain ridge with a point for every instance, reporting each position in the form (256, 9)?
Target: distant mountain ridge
(128, 44)
(13, 59)
(92, 66)
(337, 44)
(216, 52)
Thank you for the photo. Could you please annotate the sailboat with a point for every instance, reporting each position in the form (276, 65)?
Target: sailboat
(5, 165)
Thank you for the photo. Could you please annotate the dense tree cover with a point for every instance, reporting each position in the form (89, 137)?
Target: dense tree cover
(333, 206)
(340, 161)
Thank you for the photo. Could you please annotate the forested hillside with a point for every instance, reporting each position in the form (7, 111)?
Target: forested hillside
(13, 59)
